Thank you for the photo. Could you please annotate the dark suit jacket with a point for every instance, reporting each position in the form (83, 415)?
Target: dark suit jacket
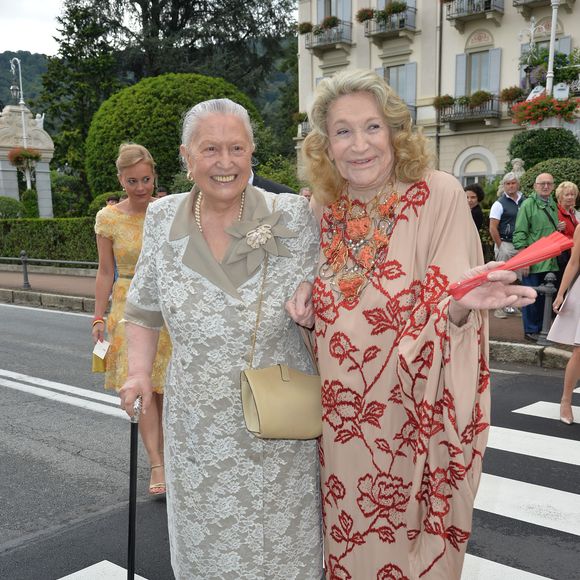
(270, 185)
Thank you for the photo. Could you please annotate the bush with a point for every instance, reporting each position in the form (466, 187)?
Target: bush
(537, 145)
(479, 98)
(443, 101)
(511, 94)
(180, 183)
(365, 14)
(69, 195)
(100, 202)
(29, 200)
(562, 170)
(150, 113)
(304, 27)
(49, 239)
(10, 208)
(280, 169)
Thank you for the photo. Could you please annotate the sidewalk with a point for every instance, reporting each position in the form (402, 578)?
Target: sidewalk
(77, 292)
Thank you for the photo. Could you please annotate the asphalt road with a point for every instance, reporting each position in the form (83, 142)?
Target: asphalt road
(64, 465)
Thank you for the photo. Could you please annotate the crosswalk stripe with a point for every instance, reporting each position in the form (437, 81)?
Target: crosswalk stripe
(545, 410)
(535, 445)
(113, 400)
(476, 568)
(527, 502)
(104, 570)
(75, 401)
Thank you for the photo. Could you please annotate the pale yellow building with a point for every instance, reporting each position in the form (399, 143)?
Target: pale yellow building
(436, 48)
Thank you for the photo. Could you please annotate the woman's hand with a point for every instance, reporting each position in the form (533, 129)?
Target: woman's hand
(135, 386)
(300, 308)
(557, 303)
(98, 332)
(498, 292)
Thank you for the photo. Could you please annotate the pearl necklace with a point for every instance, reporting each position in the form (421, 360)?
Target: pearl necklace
(197, 209)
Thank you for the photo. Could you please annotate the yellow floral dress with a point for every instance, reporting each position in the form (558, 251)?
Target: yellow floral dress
(126, 233)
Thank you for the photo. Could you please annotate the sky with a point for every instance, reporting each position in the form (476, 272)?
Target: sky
(29, 25)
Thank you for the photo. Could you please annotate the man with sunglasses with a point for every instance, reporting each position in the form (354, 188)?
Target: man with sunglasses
(537, 218)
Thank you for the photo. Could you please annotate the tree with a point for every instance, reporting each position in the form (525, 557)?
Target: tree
(81, 76)
(562, 169)
(150, 113)
(237, 40)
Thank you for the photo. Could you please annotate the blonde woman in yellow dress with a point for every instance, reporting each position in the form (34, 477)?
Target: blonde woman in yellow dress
(119, 230)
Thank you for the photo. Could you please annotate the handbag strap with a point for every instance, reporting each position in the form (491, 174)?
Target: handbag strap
(550, 218)
(306, 335)
(260, 300)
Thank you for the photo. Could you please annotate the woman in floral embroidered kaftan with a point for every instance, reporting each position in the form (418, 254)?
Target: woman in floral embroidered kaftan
(239, 507)
(404, 367)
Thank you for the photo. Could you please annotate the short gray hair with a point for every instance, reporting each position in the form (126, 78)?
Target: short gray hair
(192, 118)
(511, 176)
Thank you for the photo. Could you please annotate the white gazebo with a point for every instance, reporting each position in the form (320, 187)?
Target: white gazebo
(17, 124)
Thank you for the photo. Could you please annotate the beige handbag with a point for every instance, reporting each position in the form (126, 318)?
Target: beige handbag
(280, 402)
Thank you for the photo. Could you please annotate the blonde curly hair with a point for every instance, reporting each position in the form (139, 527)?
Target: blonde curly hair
(412, 155)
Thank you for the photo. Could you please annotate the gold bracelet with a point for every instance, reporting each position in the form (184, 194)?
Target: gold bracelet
(95, 322)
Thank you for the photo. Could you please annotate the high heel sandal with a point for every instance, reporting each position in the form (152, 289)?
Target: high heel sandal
(566, 417)
(157, 488)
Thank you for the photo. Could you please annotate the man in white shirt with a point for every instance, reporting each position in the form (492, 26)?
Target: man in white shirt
(502, 222)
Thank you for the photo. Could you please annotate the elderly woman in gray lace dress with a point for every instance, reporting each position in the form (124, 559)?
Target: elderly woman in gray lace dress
(238, 506)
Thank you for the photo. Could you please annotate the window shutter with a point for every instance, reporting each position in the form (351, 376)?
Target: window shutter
(345, 10)
(494, 70)
(319, 11)
(460, 74)
(410, 95)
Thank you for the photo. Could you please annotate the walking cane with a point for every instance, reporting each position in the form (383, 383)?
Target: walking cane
(133, 488)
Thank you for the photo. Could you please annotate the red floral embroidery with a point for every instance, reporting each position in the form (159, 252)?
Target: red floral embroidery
(391, 572)
(324, 307)
(339, 404)
(384, 496)
(341, 347)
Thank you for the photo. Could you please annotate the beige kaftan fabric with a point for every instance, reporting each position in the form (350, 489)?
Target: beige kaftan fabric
(405, 399)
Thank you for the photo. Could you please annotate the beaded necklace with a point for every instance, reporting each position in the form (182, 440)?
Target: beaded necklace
(356, 240)
(197, 209)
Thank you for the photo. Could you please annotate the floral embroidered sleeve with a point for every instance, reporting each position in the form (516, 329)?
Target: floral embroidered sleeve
(444, 382)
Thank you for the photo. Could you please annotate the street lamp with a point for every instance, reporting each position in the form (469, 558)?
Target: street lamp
(550, 74)
(17, 92)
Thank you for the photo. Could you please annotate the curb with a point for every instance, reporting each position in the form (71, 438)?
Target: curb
(53, 301)
(499, 351)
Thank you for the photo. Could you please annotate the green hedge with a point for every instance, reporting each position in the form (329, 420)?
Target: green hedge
(49, 239)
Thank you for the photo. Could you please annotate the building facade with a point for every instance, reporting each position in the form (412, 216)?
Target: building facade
(429, 48)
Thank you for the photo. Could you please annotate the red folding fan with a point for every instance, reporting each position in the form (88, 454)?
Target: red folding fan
(545, 248)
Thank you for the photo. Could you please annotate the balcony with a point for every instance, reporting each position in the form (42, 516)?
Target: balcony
(489, 113)
(525, 7)
(338, 37)
(461, 11)
(395, 25)
(303, 128)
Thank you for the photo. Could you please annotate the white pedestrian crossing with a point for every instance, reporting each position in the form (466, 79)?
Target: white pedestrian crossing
(104, 570)
(546, 410)
(476, 568)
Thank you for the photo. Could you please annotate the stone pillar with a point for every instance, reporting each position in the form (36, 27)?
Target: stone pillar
(8, 179)
(42, 185)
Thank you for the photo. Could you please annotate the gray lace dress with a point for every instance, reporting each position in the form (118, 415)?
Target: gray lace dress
(238, 507)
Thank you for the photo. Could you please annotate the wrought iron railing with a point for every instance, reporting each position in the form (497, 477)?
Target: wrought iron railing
(464, 112)
(517, 3)
(395, 22)
(462, 8)
(342, 33)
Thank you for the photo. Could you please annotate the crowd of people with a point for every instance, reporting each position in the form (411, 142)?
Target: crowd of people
(230, 274)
